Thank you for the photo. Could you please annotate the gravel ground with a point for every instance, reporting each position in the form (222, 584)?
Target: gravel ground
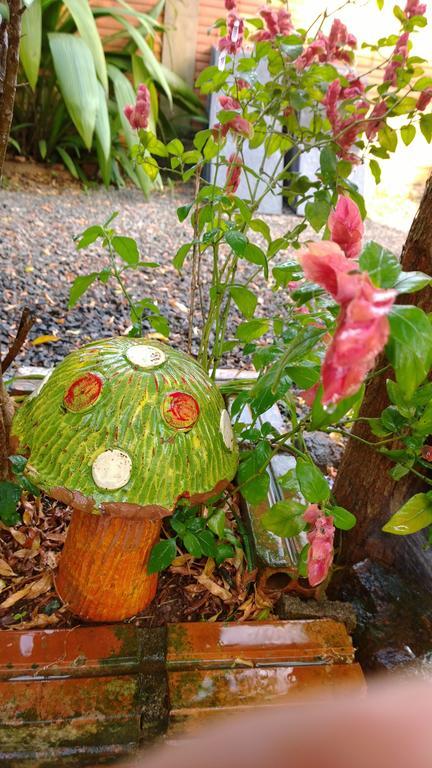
(38, 263)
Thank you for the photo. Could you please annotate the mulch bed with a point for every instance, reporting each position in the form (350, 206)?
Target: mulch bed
(190, 590)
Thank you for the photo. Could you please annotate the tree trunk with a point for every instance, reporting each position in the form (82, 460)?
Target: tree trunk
(363, 484)
(9, 62)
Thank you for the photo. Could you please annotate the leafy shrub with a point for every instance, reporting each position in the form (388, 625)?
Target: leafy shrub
(72, 94)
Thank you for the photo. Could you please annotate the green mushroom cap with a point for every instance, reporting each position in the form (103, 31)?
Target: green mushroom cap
(127, 427)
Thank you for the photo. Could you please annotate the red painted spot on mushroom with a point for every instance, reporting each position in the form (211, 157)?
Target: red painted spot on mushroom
(180, 410)
(83, 393)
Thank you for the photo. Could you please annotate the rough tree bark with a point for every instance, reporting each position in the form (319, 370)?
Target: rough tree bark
(363, 484)
(9, 61)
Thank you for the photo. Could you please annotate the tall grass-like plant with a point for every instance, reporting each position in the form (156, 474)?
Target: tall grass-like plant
(72, 92)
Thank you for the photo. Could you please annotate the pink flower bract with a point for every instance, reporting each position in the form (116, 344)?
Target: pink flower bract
(233, 40)
(238, 125)
(346, 226)
(138, 115)
(414, 8)
(277, 22)
(233, 174)
(362, 328)
(424, 99)
(227, 102)
(320, 555)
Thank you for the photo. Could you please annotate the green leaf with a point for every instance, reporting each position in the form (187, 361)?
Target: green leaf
(216, 523)
(162, 555)
(387, 138)
(258, 225)
(324, 417)
(207, 543)
(127, 249)
(252, 475)
(424, 425)
(160, 324)
(89, 236)
(426, 127)
(102, 124)
(181, 254)
(256, 255)
(303, 376)
(9, 498)
(175, 147)
(408, 133)
(252, 329)
(236, 240)
(68, 162)
(285, 518)
(410, 282)
(313, 484)
(80, 286)
(153, 66)
(411, 517)
(382, 265)
(244, 299)
(76, 76)
(183, 211)
(375, 170)
(343, 519)
(18, 464)
(86, 25)
(410, 346)
(4, 12)
(192, 544)
(302, 561)
(317, 213)
(31, 42)
(224, 552)
(328, 165)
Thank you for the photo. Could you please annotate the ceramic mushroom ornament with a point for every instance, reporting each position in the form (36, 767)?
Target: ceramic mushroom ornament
(122, 430)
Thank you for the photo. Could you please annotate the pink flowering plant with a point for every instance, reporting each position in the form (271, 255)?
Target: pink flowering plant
(335, 295)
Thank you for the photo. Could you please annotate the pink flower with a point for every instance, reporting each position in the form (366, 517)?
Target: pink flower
(414, 8)
(362, 328)
(312, 513)
(326, 264)
(426, 452)
(233, 40)
(242, 84)
(320, 555)
(354, 88)
(424, 99)
(346, 227)
(231, 5)
(227, 102)
(328, 49)
(233, 174)
(238, 125)
(346, 130)
(138, 115)
(374, 122)
(362, 332)
(278, 22)
(309, 395)
(399, 57)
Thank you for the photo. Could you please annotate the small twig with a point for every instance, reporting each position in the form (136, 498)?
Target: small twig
(26, 322)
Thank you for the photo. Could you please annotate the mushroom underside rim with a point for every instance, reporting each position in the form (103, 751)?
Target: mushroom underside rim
(127, 510)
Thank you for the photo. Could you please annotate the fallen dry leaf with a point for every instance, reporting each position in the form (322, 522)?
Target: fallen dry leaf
(214, 588)
(30, 591)
(5, 569)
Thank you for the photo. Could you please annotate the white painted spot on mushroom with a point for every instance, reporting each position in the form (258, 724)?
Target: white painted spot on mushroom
(145, 356)
(226, 430)
(112, 469)
(40, 386)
